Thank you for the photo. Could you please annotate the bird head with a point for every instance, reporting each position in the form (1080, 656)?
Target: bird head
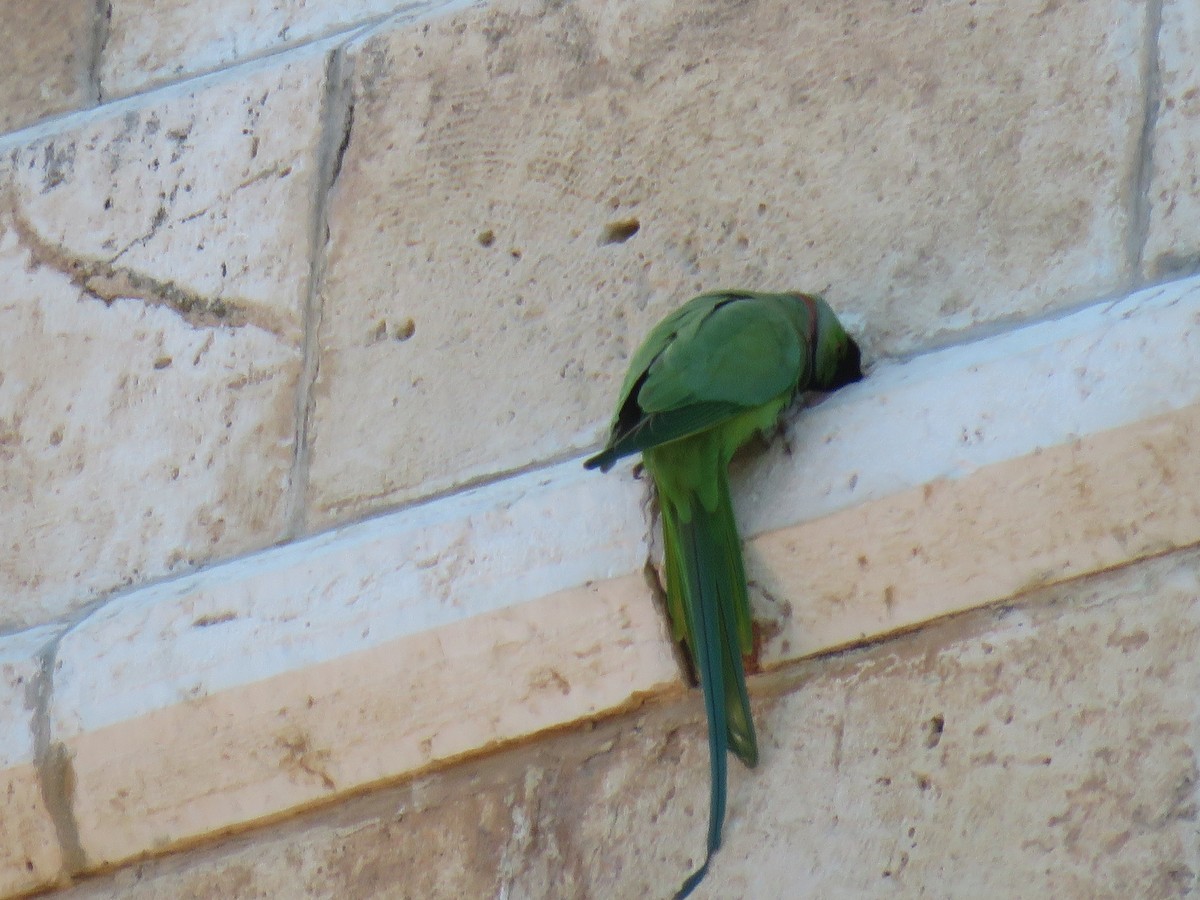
(838, 359)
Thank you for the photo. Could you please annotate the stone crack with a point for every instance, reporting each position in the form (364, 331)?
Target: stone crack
(107, 282)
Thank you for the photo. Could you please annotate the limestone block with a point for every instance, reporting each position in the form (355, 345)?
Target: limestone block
(152, 41)
(156, 263)
(1172, 246)
(359, 656)
(29, 850)
(541, 182)
(1047, 750)
(48, 50)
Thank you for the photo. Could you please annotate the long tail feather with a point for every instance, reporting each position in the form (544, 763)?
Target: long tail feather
(732, 543)
(736, 633)
(697, 556)
(706, 591)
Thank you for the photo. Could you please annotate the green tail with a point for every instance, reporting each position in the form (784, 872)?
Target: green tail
(709, 608)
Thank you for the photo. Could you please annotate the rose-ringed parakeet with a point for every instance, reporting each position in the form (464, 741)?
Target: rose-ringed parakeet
(709, 377)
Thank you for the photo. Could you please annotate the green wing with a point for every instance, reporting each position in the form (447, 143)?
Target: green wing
(745, 351)
(687, 316)
(715, 357)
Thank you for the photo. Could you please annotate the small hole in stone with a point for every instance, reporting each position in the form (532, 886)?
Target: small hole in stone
(619, 232)
(405, 330)
(934, 730)
(486, 238)
(515, 253)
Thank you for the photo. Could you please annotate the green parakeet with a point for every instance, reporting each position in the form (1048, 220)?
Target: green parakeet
(708, 377)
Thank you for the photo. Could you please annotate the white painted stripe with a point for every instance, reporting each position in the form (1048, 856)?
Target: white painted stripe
(351, 589)
(949, 413)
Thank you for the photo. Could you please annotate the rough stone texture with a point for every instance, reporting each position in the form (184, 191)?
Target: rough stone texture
(156, 262)
(152, 41)
(1090, 505)
(410, 574)
(940, 165)
(358, 656)
(29, 849)
(47, 56)
(1173, 245)
(224, 760)
(1047, 750)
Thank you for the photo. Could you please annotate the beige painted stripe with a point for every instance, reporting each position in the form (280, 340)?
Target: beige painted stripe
(29, 852)
(1099, 502)
(241, 755)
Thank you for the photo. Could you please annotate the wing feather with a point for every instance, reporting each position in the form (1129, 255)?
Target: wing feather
(713, 358)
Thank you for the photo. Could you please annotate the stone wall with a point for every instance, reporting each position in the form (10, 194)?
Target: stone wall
(313, 310)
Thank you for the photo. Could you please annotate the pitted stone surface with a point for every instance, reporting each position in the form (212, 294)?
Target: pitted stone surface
(156, 261)
(540, 182)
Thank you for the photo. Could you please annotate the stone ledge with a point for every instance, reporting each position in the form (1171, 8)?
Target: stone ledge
(348, 659)
(251, 752)
(1040, 749)
(366, 654)
(1096, 503)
